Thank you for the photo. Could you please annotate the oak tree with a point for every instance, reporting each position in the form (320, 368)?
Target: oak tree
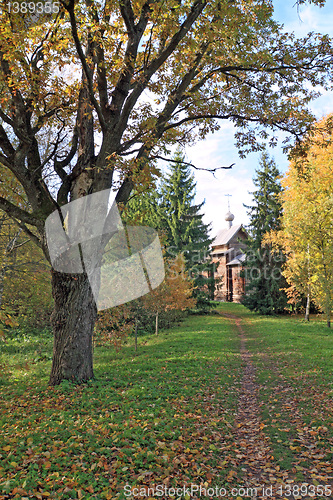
(91, 95)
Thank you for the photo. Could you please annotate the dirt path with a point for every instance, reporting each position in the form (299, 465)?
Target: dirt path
(261, 476)
(251, 444)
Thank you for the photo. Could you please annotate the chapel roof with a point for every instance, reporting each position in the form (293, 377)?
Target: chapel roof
(225, 235)
(238, 260)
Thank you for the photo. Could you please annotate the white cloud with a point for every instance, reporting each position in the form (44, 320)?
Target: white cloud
(216, 151)
(216, 204)
(323, 105)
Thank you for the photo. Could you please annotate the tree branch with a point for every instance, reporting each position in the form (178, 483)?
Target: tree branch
(134, 33)
(61, 164)
(18, 122)
(31, 235)
(222, 117)
(156, 63)
(99, 56)
(17, 213)
(86, 70)
(212, 170)
(6, 118)
(5, 161)
(5, 143)
(128, 16)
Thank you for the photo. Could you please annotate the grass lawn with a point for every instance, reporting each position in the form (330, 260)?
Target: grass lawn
(295, 371)
(151, 418)
(166, 415)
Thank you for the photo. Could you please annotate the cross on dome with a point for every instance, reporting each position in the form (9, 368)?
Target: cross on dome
(229, 216)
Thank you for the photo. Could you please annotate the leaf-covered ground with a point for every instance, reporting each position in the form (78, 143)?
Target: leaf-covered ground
(218, 402)
(284, 441)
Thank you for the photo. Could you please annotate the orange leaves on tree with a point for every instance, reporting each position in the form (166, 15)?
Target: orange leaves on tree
(175, 292)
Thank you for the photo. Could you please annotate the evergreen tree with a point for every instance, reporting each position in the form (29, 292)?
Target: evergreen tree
(184, 228)
(264, 280)
(171, 210)
(142, 208)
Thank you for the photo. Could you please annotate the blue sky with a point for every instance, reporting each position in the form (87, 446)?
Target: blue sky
(218, 149)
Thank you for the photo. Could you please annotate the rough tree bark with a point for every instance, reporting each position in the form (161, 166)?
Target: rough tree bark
(73, 322)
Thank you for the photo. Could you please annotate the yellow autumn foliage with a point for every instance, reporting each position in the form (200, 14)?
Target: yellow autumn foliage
(307, 235)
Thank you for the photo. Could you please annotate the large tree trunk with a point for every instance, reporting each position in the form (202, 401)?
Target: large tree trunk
(73, 322)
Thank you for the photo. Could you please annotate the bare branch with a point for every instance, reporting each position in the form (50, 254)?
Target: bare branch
(17, 213)
(212, 170)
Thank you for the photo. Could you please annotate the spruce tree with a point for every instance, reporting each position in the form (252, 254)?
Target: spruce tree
(142, 208)
(264, 280)
(170, 209)
(185, 230)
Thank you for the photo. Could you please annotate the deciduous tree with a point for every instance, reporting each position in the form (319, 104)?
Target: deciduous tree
(174, 294)
(307, 232)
